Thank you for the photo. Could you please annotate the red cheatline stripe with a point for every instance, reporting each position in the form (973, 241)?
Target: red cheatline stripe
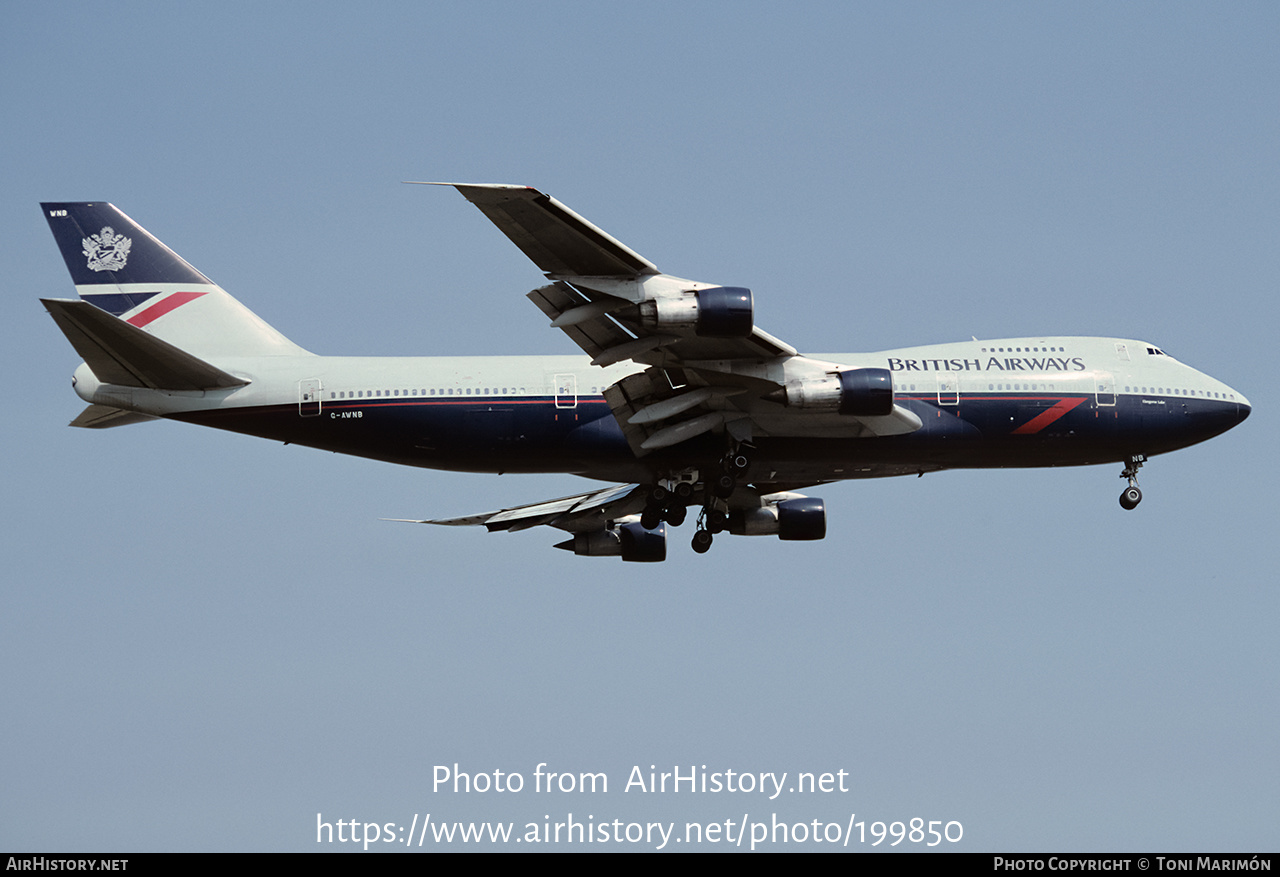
(178, 299)
(1044, 418)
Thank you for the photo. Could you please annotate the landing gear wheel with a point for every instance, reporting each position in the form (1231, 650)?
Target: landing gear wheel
(717, 521)
(684, 490)
(1132, 495)
(702, 541)
(734, 463)
(1130, 498)
(650, 518)
(725, 485)
(658, 495)
(675, 515)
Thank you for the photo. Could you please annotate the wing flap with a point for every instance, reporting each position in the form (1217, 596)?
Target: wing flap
(647, 404)
(594, 333)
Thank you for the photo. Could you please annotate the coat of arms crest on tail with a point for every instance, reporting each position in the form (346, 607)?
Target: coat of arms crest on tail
(106, 250)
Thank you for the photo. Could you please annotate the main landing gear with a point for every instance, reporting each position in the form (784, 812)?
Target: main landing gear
(711, 521)
(670, 499)
(732, 467)
(1132, 494)
(670, 505)
(715, 519)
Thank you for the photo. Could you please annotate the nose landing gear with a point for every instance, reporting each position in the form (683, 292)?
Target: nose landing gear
(1130, 498)
(1132, 494)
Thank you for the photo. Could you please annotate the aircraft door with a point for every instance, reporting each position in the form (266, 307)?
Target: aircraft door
(566, 390)
(309, 397)
(1104, 387)
(948, 389)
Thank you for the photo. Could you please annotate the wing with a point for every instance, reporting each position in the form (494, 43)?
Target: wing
(707, 366)
(608, 275)
(558, 240)
(602, 523)
(610, 522)
(580, 513)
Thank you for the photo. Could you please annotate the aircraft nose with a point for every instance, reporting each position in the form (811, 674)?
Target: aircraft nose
(1236, 411)
(1243, 408)
(1218, 412)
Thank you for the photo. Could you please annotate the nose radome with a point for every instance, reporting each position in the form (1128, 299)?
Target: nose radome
(1242, 407)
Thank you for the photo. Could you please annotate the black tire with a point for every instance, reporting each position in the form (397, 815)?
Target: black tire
(702, 541)
(650, 518)
(675, 515)
(1130, 498)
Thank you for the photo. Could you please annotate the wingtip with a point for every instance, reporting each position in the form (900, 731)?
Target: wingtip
(460, 186)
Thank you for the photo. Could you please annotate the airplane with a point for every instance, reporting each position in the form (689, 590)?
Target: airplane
(680, 395)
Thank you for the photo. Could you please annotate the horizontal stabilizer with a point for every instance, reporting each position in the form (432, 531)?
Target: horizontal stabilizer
(120, 353)
(104, 416)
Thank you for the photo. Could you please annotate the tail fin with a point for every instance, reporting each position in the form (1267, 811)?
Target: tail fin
(118, 266)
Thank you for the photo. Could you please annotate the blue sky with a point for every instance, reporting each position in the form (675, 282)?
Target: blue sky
(208, 639)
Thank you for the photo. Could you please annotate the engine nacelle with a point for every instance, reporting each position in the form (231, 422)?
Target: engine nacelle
(718, 312)
(630, 541)
(801, 520)
(792, 520)
(862, 392)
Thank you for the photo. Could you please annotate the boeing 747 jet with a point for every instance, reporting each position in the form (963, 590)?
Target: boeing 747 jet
(680, 395)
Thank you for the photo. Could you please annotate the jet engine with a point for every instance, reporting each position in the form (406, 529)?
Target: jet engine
(791, 520)
(718, 312)
(628, 539)
(862, 392)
